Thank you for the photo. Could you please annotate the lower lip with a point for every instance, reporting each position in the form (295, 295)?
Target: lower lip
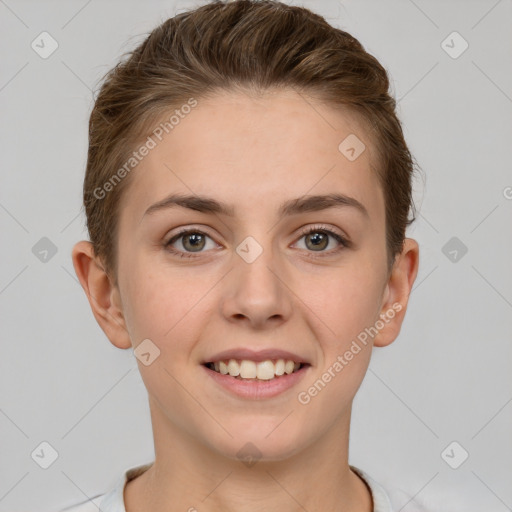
(258, 389)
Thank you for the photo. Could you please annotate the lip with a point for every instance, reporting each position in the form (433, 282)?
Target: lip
(258, 389)
(256, 356)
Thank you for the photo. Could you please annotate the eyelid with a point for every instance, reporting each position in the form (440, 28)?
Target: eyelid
(188, 229)
(181, 233)
(343, 241)
(340, 237)
(331, 230)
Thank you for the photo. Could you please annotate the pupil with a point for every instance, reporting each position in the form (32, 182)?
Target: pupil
(195, 240)
(317, 239)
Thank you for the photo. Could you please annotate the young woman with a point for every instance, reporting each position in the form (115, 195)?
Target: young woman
(247, 193)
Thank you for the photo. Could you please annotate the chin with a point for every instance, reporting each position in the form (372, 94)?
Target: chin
(258, 443)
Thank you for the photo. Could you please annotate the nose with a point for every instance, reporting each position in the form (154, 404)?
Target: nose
(257, 292)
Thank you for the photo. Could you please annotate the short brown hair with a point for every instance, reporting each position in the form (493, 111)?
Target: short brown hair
(244, 44)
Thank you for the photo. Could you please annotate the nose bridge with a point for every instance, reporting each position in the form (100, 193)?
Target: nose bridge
(256, 288)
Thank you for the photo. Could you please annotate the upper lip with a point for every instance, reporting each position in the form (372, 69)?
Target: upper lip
(256, 356)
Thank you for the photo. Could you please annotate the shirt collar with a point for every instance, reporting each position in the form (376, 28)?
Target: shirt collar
(114, 500)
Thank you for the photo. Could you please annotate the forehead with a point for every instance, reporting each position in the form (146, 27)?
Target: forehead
(255, 151)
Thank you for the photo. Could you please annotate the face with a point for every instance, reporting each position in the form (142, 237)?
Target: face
(306, 280)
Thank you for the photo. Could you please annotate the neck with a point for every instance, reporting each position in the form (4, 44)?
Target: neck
(189, 476)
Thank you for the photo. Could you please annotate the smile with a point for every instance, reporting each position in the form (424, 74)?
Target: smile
(256, 380)
(246, 369)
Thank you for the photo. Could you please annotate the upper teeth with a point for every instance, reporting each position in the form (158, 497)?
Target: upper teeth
(265, 370)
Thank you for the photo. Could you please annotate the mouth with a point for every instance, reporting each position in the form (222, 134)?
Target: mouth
(248, 370)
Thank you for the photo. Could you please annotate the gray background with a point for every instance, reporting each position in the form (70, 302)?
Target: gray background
(446, 378)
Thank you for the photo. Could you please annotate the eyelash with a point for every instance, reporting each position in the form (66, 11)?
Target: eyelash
(306, 231)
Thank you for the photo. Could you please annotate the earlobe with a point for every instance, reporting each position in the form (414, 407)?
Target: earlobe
(397, 292)
(100, 292)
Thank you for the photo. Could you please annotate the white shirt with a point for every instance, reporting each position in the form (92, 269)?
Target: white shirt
(113, 501)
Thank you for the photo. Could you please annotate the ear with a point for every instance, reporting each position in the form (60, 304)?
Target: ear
(396, 293)
(103, 295)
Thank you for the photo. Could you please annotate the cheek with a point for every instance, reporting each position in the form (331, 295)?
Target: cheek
(347, 306)
(161, 304)
(346, 301)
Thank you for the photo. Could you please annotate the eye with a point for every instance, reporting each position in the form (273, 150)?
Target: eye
(192, 241)
(317, 240)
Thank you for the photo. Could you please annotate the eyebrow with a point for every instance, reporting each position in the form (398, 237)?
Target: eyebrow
(303, 204)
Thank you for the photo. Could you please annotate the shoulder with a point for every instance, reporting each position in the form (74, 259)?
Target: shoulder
(112, 501)
(389, 498)
(381, 500)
